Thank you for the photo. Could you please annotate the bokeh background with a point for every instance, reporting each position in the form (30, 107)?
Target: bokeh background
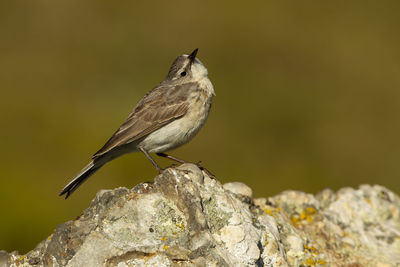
(308, 96)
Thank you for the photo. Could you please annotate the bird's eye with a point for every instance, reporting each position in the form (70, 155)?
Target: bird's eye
(183, 73)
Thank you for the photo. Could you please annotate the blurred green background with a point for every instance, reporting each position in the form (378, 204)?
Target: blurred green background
(308, 96)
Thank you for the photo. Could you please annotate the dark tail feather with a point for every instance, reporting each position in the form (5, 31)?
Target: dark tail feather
(80, 178)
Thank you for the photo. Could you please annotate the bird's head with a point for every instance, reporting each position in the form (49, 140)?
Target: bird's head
(187, 68)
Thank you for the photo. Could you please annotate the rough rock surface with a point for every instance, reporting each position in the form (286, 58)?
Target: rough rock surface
(186, 218)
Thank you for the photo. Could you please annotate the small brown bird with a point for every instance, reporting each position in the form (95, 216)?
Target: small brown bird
(167, 117)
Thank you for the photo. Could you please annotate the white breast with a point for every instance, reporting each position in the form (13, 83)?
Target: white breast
(182, 130)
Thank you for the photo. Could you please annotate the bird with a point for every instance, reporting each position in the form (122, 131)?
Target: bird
(168, 116)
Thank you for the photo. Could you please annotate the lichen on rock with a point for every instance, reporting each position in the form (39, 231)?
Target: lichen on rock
(187, 218)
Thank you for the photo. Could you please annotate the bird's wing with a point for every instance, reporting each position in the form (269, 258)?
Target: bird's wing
(157, 108)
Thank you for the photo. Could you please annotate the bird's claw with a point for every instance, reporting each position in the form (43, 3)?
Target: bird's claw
(198, 164)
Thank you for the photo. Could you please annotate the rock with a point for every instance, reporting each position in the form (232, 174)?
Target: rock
(186, 218)
(239, 188)
(3, 258)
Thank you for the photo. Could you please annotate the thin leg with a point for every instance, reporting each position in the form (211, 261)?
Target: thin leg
(170, 157)
(151, 159)
(182, 161)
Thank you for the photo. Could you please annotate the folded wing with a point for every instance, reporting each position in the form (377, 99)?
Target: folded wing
(157, 108)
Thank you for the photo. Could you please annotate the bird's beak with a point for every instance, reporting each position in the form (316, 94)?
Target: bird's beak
(192, 56)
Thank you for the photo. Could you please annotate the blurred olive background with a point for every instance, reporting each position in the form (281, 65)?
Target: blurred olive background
(308, 96)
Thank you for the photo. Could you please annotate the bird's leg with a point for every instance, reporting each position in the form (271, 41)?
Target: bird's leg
(170, 157)
(151, 159)
(182, 161)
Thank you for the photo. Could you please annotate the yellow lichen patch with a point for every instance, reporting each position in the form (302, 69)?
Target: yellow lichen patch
(165, 247)
(295, 220)
(310, 210)
(266, 239)
(272, 212)
(310, 261)
(314, 250)
(311, 249)
(368, 200)
(163, 238)
(303, 215)
(21, 258)
(321, 261)
(306, 215)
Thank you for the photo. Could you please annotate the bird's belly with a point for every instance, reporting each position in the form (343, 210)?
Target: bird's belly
(178, 132)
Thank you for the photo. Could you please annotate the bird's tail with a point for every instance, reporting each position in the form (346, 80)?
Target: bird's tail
(84, 174)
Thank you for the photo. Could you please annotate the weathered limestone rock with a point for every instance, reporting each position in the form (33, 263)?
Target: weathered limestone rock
(186, 218)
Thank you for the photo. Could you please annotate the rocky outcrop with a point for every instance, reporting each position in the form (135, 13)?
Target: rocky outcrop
(187, 218)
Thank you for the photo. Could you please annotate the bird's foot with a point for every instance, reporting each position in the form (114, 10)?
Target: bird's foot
(173, 165)
(198, 164)
(160, 170)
